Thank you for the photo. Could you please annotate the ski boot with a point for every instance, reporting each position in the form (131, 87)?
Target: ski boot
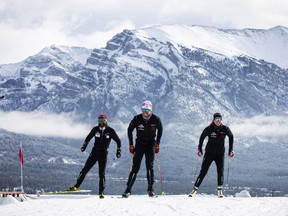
(101, 195)
(220, 192)
(194, 192)
(127, 193)
(73, 188)
(150, 191)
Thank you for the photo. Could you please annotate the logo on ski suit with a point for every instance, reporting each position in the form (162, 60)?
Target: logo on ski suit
(213, 135)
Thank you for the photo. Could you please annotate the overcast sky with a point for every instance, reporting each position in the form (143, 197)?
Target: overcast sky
(27, 26)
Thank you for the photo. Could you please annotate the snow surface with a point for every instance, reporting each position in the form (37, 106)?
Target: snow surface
(69, 205)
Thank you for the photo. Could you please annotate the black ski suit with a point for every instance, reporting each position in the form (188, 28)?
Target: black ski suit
(99, 153)
(214, 151)
(145, 145)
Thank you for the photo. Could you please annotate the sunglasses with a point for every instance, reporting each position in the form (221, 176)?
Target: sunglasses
(218, 119)
(146, 110)
(102, 120)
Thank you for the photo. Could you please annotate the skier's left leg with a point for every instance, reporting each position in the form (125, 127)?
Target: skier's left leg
(102, 167)
(219, 160)
(150, 156)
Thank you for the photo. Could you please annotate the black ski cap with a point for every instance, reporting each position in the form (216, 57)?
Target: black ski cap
(217, 115)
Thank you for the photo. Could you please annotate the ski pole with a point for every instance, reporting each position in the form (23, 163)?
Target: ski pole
(131, 162)
(228, 170)
(160, 174)
(197, 167)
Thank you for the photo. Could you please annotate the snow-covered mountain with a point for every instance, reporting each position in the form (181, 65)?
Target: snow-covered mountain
(193, 71)
(188, 72)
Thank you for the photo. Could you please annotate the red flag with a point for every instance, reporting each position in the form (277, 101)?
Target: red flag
(21, 157)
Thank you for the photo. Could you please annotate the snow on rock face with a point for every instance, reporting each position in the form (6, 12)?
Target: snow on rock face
(270, 45)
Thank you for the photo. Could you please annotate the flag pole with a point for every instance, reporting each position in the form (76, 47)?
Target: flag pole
(21, 164)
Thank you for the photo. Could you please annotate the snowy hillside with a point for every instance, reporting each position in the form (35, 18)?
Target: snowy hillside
(142, 205)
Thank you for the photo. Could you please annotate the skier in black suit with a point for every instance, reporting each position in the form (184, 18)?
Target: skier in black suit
(214, 151)
(103, 135)
(148, 135)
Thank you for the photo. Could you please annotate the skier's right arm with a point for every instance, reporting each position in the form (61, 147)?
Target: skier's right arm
(201, 140)
(87, 140)
(130, 131)
(130, 135)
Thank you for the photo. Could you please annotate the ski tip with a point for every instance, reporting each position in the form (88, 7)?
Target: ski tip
(67, 192)
(118, 197)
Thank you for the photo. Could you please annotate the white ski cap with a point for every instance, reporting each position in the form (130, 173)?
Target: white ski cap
(146, 105)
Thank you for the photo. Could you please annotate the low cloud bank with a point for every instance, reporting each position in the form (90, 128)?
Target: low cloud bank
(63, 125)
(43, 124)
(260, 126)
(263, 126)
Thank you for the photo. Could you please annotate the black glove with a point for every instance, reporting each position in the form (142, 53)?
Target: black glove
(83, 148)
(118, 153)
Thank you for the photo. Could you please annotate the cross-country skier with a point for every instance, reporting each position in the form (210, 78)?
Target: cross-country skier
(103, 135)
(148, 135)
(214, 151)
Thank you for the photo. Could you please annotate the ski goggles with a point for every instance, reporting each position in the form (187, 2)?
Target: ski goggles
(146, 110)
(102, 120)
(218, 119)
